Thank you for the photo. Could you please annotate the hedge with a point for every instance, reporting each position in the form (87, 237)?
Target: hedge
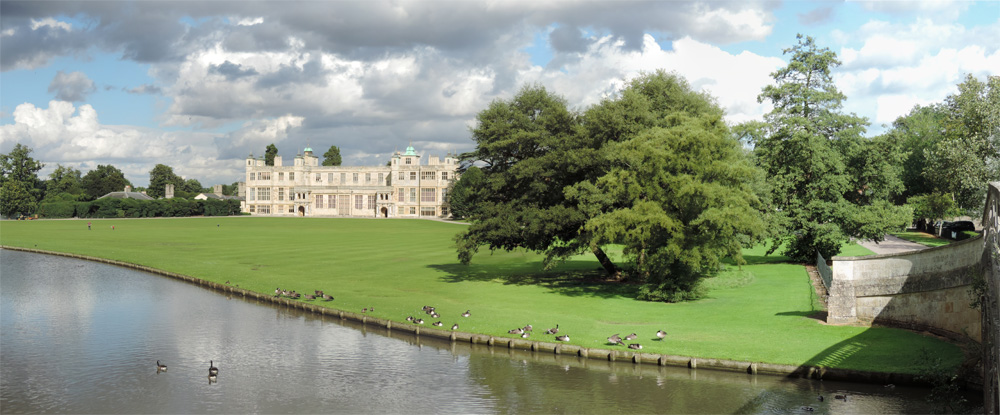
(134, 208)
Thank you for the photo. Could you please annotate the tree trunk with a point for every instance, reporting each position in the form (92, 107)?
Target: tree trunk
(609, 266)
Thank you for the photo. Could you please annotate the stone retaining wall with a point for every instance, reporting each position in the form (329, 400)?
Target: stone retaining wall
(990, 301)
(923, 290)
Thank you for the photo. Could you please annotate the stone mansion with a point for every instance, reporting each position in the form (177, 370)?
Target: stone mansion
(404, 188)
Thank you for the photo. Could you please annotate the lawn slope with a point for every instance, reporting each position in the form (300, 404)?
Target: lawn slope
(758, 313)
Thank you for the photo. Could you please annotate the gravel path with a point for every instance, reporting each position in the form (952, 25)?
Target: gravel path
(892, 245)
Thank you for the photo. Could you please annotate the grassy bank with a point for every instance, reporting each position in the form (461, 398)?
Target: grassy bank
(922, 238)
(759, 313)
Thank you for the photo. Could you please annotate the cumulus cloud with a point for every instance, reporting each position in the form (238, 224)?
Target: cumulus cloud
(144, 89)
(73, 86)
(231, 70)
(899, 65)
(74, 136)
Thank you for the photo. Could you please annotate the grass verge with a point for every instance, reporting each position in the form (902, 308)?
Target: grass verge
(922, 238)
(761, 312)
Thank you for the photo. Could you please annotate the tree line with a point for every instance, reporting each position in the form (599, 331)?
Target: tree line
(655, 171)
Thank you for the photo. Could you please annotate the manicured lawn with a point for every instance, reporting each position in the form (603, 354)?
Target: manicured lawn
(922, 238)
(758, 313)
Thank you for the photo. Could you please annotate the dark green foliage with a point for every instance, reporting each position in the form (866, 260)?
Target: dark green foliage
(64, 181)
(655, 170)
(828, 182)
(160, 177)
(462, 195)
(918, 132)
(193, 186)
(968, 155)
(332, 156)
(57, 210)
(269, 154)
(20, 189)
(214, 207)
(103, 180)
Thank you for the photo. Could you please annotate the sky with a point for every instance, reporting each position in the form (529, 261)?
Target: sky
(200, 85)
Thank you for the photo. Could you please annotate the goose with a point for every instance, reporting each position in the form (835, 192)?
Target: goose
(160, 367)
(310, 297)
(425, 308)
(419, 321)
(808, 408)
(409, 318)
(821, 398)
(661, 334)
(842, 397)
(525, 335)
(429, 310)
(614, 339)
(563, 338)
(438, 323)
(466, 313)
(212, 370)
(435, 315)
(553, 330)
(515, 331)
(364, 310)
(632, 336)
(319, 293)
(455, 326)
(528, 328)
(327, 297)
(635, 346)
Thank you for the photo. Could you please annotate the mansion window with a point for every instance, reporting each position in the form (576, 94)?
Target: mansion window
(264, 193)
(319, 201)
(332, 201)
(281, 176)
(381, 179)
(250, 195)
(444, 195)
(413, 210)
(281, 193)
(427, 195)
(444, 175)
(343, 178)
(427, 175)
(408, 160)
(355, 178)
(319, 177)
(329, 178)
(402, 176)
(359, 201)
(413, 175)
(413, 194)
(266, 210)
(291, 176)
(427, 211)
(371, 201)
(368, 178)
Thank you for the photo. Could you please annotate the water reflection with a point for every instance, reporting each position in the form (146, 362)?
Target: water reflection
(81, 337)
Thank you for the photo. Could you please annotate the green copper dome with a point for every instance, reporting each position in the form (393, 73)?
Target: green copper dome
(410, 151)
(309, 149)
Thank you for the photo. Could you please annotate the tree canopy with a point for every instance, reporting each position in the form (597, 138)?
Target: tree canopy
(269, 154)
(332, 156)
(64, 181)
(462, 194)
(829, 182)
(19, 182)
(103, 180)
(654, 169)
(159, 177)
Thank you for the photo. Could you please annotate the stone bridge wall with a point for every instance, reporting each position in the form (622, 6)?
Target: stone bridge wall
(923, 290)
(991, 301)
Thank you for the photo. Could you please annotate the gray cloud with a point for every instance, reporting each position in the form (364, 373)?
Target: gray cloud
(816, 16)
(74, 86)
(568, 39)
(144, 89)
(232, 71)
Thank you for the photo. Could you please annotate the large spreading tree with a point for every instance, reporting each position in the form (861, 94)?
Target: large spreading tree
(159, 177)
(830, 183)
(654, 169)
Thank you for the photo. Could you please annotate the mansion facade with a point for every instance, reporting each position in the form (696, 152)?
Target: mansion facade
(404, 188)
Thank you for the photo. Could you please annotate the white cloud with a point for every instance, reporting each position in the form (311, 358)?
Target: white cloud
(899, 65)
(50, 22)
(74, 136)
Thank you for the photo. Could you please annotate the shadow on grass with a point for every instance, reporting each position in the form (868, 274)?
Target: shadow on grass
(572, 278)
